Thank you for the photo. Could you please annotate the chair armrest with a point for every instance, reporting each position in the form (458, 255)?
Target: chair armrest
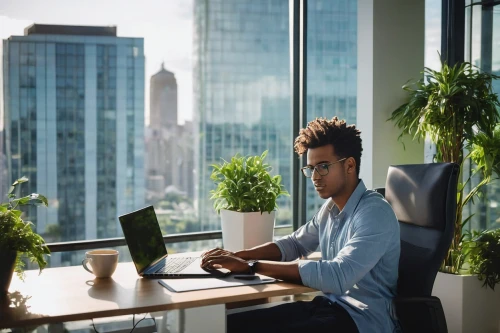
(420, 314)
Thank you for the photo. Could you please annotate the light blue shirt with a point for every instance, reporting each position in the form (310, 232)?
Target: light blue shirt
(360, 249)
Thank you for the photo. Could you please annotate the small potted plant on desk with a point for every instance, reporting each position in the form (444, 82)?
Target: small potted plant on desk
(245, 198)
(17, 239)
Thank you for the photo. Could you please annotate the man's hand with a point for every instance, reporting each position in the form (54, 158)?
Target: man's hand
(217, 252)
(268, 251)
(236, 262)
(218, 258)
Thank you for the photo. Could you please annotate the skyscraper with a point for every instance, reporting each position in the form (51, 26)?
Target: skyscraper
(331, 68)
(163, 99)
(241, 89)
(169, 145)
(3, 170)
(242, 98)
(74, 123)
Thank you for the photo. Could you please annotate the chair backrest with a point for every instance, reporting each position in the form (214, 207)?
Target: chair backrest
(424, 198)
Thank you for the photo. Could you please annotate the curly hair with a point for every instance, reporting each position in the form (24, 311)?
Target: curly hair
(345, 139)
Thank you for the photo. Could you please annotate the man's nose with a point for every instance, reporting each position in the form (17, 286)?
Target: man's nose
(315, 174)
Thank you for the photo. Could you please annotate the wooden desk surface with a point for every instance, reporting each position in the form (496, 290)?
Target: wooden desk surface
(70, 293)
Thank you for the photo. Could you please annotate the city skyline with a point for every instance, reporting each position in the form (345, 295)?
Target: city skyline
(245, 80)
(165, 27)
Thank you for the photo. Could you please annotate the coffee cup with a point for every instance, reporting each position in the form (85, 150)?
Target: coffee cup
(102, 262)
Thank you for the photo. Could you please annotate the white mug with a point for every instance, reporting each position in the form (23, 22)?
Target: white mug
(103, 262)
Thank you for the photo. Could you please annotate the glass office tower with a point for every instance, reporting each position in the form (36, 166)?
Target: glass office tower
(483, 51)
(74, 124)
(242, 84)
(241, 89)
(331, 68)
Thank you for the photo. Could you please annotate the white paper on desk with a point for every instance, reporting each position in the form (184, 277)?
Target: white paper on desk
(181, 285)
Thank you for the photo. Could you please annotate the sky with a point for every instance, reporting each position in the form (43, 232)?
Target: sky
(167, 29)
(165, 25)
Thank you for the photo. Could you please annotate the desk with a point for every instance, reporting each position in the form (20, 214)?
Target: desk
(71, 294)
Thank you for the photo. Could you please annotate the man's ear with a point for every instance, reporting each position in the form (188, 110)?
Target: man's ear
(351, 165)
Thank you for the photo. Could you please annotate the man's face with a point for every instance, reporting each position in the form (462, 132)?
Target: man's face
(331, 179)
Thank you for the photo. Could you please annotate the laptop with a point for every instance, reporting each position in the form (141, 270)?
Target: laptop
(149, 253)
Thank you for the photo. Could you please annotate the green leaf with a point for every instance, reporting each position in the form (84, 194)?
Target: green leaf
(20, 181)
(244, 184)
(18, 235)
(483, 249)
(9, 193)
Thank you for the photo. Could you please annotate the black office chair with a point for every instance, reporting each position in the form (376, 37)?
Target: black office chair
(423, 197)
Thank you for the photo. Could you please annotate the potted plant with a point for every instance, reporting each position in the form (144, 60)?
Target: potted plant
(246, 198)
(482, 249)
(17, 239)
(470, 301)
(457, 110)
(453, 107)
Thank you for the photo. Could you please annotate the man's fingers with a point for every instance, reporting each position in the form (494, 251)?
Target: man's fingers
(210, 257)
(213, 255)
(212, 263)
(209, 252)
(216, 251)
(207, 259)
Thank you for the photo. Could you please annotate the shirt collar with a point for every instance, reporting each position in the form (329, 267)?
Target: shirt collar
(351, 203)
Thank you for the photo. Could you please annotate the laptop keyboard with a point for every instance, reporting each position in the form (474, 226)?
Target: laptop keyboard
(176, 264)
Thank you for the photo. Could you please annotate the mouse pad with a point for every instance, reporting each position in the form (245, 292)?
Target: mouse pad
(181, 285)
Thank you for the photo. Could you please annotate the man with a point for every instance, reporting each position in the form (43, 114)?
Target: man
(357, 233)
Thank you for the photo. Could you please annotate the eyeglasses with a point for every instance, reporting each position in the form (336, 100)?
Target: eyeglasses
(322, 169)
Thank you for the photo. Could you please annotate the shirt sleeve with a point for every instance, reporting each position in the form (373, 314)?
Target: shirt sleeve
(374, 228)
(302, 242)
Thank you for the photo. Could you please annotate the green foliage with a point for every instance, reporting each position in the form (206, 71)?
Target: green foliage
(456, 108)
(483, 251)
(485, 151)
(16, 234)
(171, 200)
(52, 233)
(449, 106)
(245, 185)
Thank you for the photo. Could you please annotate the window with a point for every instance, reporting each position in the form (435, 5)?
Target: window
(331, 83)
(483, 50)
(120, 132)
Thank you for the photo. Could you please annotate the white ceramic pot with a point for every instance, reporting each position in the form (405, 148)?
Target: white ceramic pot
(468, 306)
(246, 230)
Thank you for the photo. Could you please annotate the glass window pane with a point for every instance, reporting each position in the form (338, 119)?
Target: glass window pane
(241, 92)
(117, 132)
(483, 27)
(331, 68)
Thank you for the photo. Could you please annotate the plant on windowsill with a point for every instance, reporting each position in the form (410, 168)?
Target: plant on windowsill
(246, 198)
(457, 110)
(17, 239)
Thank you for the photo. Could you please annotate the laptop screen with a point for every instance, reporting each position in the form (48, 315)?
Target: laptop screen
(143, 235)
